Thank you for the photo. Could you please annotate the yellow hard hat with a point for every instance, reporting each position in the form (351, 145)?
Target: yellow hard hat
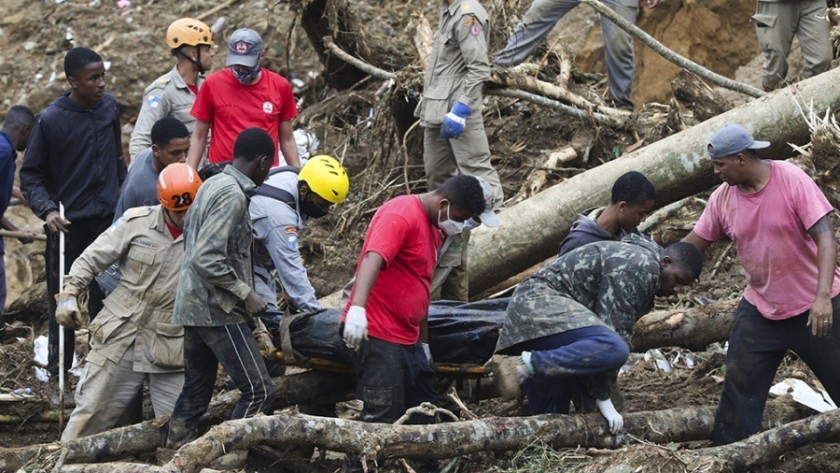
(188, 32)
(326, 177)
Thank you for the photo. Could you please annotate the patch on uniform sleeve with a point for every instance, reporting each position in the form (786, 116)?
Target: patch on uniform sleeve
(474, 25)
(291, 237)
(153, 101)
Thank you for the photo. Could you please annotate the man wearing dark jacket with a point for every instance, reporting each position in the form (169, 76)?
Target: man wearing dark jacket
(74, 157)
(631, 201)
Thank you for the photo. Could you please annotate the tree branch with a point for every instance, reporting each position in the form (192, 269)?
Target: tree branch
(672, 55)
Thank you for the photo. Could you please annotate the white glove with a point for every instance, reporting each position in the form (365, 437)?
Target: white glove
(67, 312)
(355, 327)
(428, 352)
(614, 419)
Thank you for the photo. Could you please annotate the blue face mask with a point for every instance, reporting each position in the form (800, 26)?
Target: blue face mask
(246, 78)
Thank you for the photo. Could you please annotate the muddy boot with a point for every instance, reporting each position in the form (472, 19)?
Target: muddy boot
(179, 434)
(510, 372)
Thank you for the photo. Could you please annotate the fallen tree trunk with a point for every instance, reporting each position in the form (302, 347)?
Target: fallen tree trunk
(745, 455)
(379, 441)
(677, 166)
(692, 328)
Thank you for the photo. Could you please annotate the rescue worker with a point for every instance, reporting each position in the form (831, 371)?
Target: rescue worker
(450, 111)
(240, 96)
(133, 338)
(279, 210)
(452, 251)
(173, 94)
(568, 326)
(776, 23)
(385, 319)
(216, 298)
(540, 19)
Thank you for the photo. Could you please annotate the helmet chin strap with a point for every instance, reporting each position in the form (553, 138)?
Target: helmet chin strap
(197, 63)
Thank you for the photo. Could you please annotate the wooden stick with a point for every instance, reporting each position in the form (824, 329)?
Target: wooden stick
(381, 74)
(11, 234)
(672, 55)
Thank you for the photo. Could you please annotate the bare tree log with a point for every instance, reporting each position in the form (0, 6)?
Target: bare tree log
(695, 94)
(424, 39)
(384, 440)
(692, 328)
(678, 166)
(113, 444)
(745, 455)
(670, 54)
(380, 441)
(507, 78)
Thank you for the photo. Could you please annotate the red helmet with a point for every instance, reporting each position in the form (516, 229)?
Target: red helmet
(177, 186)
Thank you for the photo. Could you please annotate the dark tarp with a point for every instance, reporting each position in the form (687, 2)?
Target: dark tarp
(459, 332)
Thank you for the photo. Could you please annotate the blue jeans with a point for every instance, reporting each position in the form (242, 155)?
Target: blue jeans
(581, 361)
(756, 348)
(204, 348)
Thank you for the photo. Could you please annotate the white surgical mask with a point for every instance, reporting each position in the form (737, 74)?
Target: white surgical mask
(471, 224)
(450, 226)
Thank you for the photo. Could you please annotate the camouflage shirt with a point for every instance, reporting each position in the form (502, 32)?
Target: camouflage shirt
(217, 273)
(608, 283)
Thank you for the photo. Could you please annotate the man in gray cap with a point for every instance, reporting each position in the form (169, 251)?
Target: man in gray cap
(778, 219)
(243, 96)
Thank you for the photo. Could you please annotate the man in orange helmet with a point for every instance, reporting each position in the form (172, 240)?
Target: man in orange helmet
(132, 338)
(173, 94)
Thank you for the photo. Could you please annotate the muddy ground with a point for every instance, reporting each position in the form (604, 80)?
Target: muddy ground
(356, 128)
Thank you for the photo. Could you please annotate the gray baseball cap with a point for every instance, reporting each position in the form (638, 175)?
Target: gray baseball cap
(244, 48)
(731, 139)
(488, 217)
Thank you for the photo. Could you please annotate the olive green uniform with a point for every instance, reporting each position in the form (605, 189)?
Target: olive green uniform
(132, 339)
(167, 96)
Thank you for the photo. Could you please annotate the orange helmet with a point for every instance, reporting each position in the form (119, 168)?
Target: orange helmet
(177, 186)
(189, 32)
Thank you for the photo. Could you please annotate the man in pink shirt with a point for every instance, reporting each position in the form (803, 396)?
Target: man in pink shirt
(778, 219)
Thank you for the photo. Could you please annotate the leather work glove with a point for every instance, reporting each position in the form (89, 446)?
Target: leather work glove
(454, 121)
(428, 352)
(67, 312)
(614, 419)
(264, 340)
(355, 327)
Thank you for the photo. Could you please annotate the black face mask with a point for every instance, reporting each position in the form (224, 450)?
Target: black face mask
(310, 209)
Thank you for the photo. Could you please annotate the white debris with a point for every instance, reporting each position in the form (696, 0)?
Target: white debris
(804, 394)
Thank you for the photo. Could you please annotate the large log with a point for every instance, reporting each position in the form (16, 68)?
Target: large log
(678, 167)
(388, 441)
(692, 328)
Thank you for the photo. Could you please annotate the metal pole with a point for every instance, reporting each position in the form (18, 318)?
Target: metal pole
(60, 328)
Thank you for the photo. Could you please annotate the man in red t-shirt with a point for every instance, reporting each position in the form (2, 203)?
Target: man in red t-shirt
(778, 219)
(243, 96)
(385, 318)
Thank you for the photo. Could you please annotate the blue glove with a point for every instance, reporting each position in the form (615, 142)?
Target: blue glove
(454, 121)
